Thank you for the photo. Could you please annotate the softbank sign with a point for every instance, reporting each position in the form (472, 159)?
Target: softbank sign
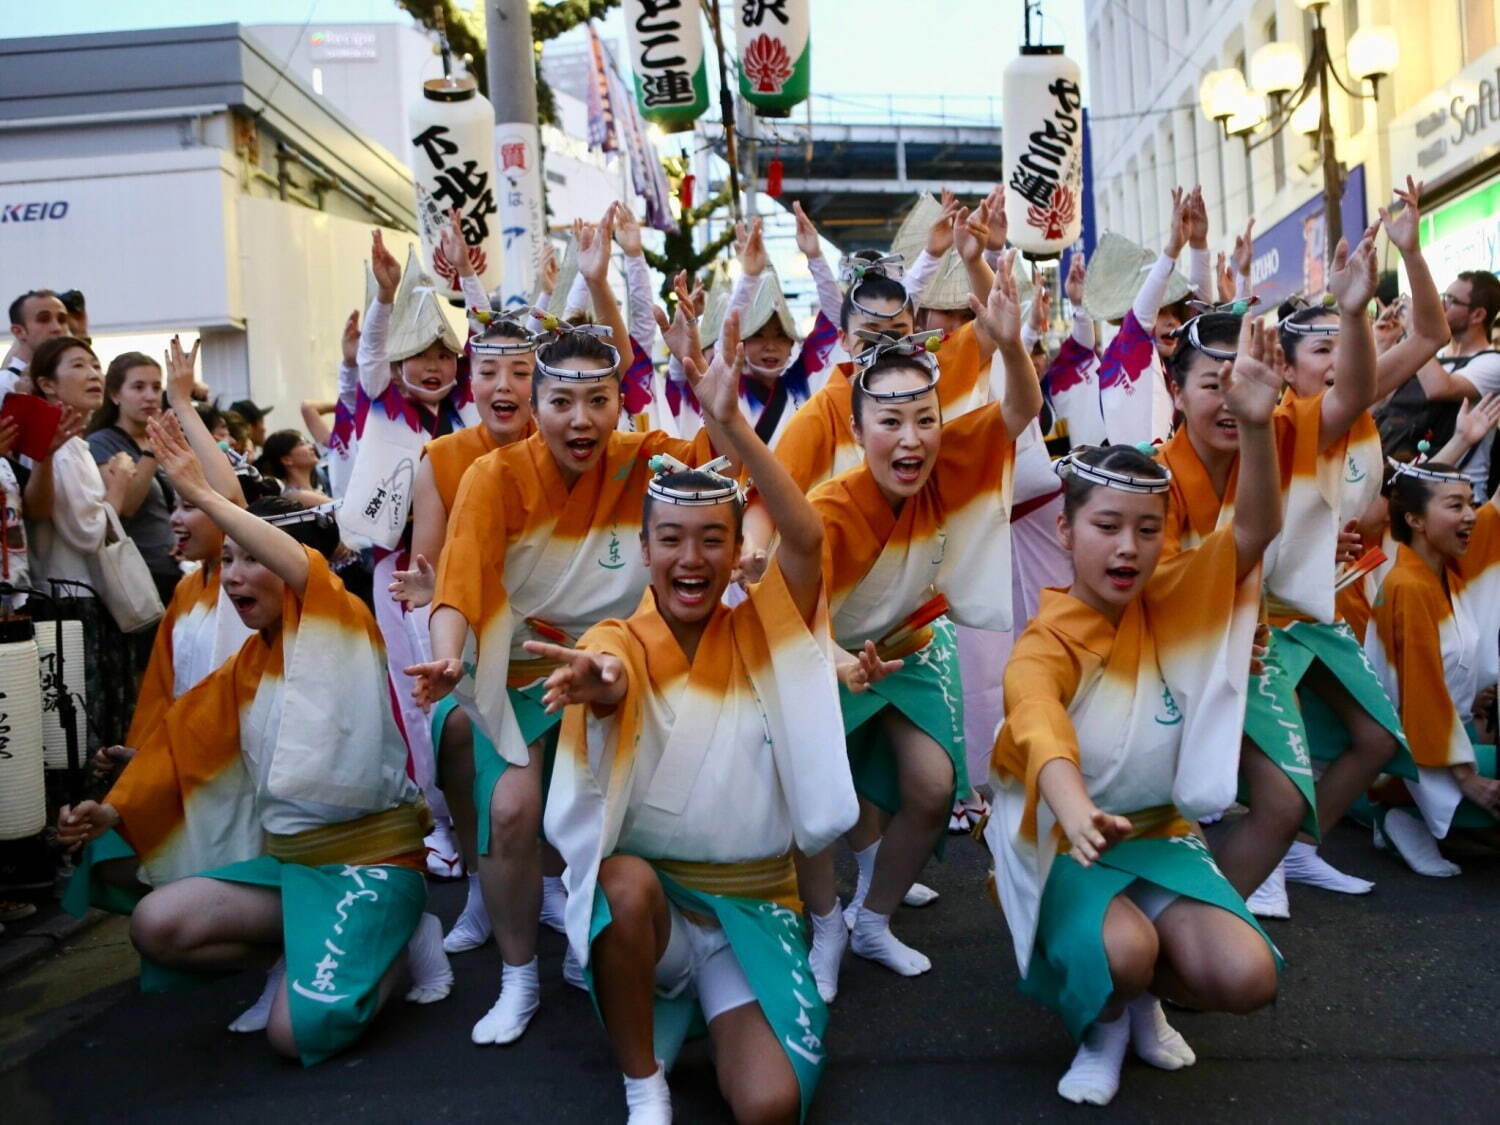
(32, 212)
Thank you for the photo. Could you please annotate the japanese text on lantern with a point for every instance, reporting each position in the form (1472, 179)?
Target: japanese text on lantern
(461, 186)
(1042, 171)
(660, 33)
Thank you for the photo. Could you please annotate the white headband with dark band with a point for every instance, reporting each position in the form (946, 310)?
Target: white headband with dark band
(665, 465)
(1420, 472)
(489, 342)
(557, 329)
(919, 348)
(1073, 465)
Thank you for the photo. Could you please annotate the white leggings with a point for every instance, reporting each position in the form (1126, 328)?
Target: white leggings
(698, 957)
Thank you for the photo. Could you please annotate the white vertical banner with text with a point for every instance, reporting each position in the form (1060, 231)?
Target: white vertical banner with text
(523, 223)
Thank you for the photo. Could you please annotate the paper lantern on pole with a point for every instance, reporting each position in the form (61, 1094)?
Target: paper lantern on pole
(666, 58)
(452, 157)
(775, 54)
(58, 678)
(1043, 144)
(23, 786)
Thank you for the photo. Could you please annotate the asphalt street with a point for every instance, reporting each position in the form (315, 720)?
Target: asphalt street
(1387, 1013)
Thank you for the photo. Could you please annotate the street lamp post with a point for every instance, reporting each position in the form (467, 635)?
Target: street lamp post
(1299, 97)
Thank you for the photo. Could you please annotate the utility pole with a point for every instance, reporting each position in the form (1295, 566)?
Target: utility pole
(511, 62)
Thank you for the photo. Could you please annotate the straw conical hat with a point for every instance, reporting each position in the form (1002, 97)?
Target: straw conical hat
(566, 272)
(417, 318)
(1115, 274)
(911, 236)
(766, 302)
(715, 305)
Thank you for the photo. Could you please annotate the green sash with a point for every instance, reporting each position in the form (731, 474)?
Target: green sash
(928, 690)
(1069, 970)
(768, 942)
(343, 928)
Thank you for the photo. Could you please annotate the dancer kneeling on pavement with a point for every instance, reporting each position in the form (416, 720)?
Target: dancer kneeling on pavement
(536, 549)
(1433, 646)
(703, 745)
(917, 534)
(1124, 701)
(303, 811)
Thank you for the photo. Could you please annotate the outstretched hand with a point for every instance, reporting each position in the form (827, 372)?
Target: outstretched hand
(940, 234)
(808, 240)
(434, 680)
(181, 381)
(718, 386)
(751, 246)
(177, 459)
(416, 586)
(994, 215)
(628, 231)
(452, 246)
(349, 340)
(1092, 837)
(971, 233)
(1252, 383)
(857, 671)
(1177, 225)
(1354, 276)
(85, 821)
(386, 269)
(1403, 227)
(1000, 316)
(1477, 420)
(1073, 285)
(581, 676)
(593, 246)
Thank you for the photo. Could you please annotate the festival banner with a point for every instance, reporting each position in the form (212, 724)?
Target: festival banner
(1042, 135)
(775, 54)
(666, 59)
(522, 221)
(453, 168)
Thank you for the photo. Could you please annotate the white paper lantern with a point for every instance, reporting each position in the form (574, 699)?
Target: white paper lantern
(23, 790)
(452, 158)
(666, 59)
(53, 685)
(1043, 144)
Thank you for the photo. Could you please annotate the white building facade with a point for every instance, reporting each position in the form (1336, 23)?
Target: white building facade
(1437, 118)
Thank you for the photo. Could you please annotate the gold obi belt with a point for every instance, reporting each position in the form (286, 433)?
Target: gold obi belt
(525, 669)
(1160, 821)
(773, 879)
(378, 838)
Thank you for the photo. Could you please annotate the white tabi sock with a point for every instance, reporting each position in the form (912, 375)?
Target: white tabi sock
(1408, 833)
(520, 996)
(1269, 899)
(1154, 1039)
(1094, 1076)
(257, 1015)
(431, 975)
(919, 894)
(872, 938)
(554, 903)
(830, 937)
(473, 926)
(649, 1100)
(864, 860)
(1304, 865)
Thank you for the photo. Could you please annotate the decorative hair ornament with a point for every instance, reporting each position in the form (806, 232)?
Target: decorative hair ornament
(1421, 472)
(1300, 304)
(854, 269)
(664, 465)
(920, 348)
(554, 329)
(490, 342)
(1074, 465)
(324, 515)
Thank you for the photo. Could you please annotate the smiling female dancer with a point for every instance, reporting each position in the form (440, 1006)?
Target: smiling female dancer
(1125, 698)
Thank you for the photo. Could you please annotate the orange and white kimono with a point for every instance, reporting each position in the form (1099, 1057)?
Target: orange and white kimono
(257, 750)
(818, 443)
(880, 567)
(711, 770)
(254, 777)
(199, 631)
(530, 559)
(1434, 649)
(1150, 710)
(1301, 571)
